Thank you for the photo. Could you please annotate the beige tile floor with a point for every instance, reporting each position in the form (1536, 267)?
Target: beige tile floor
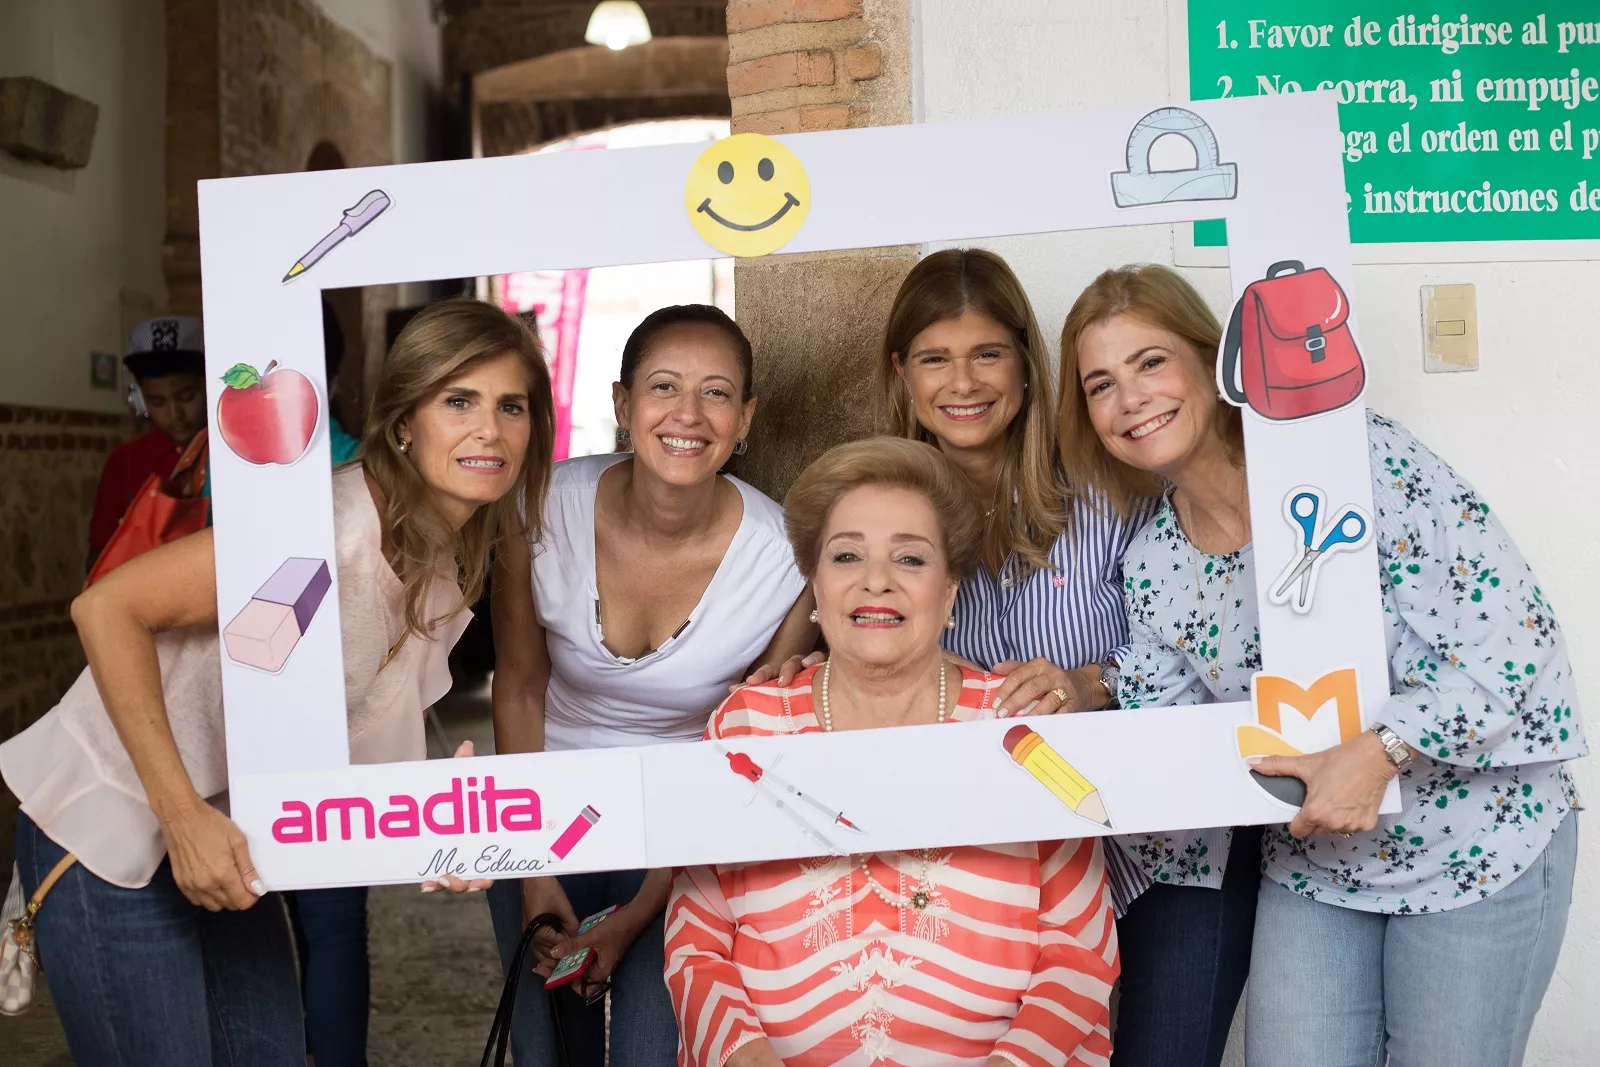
(435, 976)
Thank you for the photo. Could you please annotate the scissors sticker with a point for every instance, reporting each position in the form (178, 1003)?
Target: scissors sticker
(789, 799)
(1347, 533)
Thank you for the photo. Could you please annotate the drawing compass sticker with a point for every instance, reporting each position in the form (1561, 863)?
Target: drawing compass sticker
(790, 799)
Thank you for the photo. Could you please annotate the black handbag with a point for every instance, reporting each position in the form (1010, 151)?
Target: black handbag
(494, 1051)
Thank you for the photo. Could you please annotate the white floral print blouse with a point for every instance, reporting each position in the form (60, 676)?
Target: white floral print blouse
(1481, 682)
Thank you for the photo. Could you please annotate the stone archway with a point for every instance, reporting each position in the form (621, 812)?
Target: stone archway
(532, 102)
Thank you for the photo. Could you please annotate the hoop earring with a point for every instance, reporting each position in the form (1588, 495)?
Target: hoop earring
(741, 446)
(624, 439)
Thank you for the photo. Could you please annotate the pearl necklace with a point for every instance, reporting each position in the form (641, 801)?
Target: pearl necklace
(921, 896)
(827, 711)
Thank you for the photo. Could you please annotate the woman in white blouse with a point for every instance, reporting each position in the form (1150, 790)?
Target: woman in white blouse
(160, 942)
(657, 584)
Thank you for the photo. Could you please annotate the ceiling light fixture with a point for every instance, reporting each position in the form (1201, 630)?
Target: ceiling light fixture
(617, 24)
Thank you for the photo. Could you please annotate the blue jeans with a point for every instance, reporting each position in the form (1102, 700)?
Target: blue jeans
(330, 933)
(142, 977)
(644, 1031)
(1185, 956)
(1333, 987)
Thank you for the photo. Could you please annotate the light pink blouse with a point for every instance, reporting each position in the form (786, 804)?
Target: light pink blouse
(76, 781)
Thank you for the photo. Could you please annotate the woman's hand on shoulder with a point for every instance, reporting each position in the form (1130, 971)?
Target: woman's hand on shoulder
(784, 673)
(452, 883)
(1039, 687)
(1344, 785)
(210, 858)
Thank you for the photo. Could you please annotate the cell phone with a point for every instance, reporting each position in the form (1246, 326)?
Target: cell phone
(572, 967)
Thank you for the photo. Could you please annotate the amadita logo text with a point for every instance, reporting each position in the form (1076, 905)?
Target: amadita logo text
(462, 809)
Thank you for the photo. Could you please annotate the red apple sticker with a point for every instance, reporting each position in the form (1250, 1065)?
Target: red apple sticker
(267, 417)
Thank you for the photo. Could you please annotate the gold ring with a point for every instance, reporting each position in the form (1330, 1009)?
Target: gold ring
(1061, 695)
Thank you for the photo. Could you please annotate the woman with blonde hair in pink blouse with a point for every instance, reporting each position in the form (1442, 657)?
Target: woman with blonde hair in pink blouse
(991, 956)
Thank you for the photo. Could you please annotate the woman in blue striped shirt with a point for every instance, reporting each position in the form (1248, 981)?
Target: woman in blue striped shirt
(964, 367)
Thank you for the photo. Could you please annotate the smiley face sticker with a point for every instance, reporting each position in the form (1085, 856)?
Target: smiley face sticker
(747, 195)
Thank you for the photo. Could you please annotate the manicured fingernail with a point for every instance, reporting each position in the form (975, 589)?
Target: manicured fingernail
(999, 705)
(257, 888)
(1254, 761)
(428, 887)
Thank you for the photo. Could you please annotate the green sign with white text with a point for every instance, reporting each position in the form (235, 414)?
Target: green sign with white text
(1467, 123)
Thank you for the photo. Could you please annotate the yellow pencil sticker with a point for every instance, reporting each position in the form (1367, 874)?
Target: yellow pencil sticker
(747, 195)
(1080, 796)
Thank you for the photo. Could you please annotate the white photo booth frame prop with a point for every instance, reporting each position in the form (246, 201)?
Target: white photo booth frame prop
(313, 819)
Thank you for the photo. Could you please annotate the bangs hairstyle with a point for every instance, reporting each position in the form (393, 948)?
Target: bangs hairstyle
(436, 347)
(888, 462)
(944, 286)
(1158, 296)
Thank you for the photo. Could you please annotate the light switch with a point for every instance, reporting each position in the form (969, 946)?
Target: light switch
(1449, 328)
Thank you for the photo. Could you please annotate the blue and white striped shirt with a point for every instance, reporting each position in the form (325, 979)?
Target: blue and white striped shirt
(1072, 615)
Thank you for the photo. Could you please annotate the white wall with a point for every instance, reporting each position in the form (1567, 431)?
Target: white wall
(1521, 429)
(72, 242)
(403, 32)
(82, 249)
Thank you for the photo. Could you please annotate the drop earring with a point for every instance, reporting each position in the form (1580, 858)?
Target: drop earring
(624, 439)
(950, 623)
(813, 615)
(405, 447)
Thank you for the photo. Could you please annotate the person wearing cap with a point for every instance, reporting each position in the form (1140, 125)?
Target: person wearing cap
(166, 357)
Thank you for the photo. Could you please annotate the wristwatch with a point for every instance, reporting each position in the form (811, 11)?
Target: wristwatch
(1394, 747)
(1110, 676)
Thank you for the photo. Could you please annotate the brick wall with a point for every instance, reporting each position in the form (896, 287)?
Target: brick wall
(815, 320)
(801, 65)
(49, 466)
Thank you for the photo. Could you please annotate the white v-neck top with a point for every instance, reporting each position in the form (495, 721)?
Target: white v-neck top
(597, 699)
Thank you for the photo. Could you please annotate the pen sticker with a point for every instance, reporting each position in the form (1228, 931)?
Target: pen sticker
(574, 832)
(355, 220)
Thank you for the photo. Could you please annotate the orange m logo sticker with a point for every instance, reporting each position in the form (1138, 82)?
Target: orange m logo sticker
(1270, 693)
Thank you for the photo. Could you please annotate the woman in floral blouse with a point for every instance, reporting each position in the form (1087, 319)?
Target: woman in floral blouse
(1428, 936)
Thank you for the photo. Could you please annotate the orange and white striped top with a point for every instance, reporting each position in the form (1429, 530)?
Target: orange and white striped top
(1013, 953)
